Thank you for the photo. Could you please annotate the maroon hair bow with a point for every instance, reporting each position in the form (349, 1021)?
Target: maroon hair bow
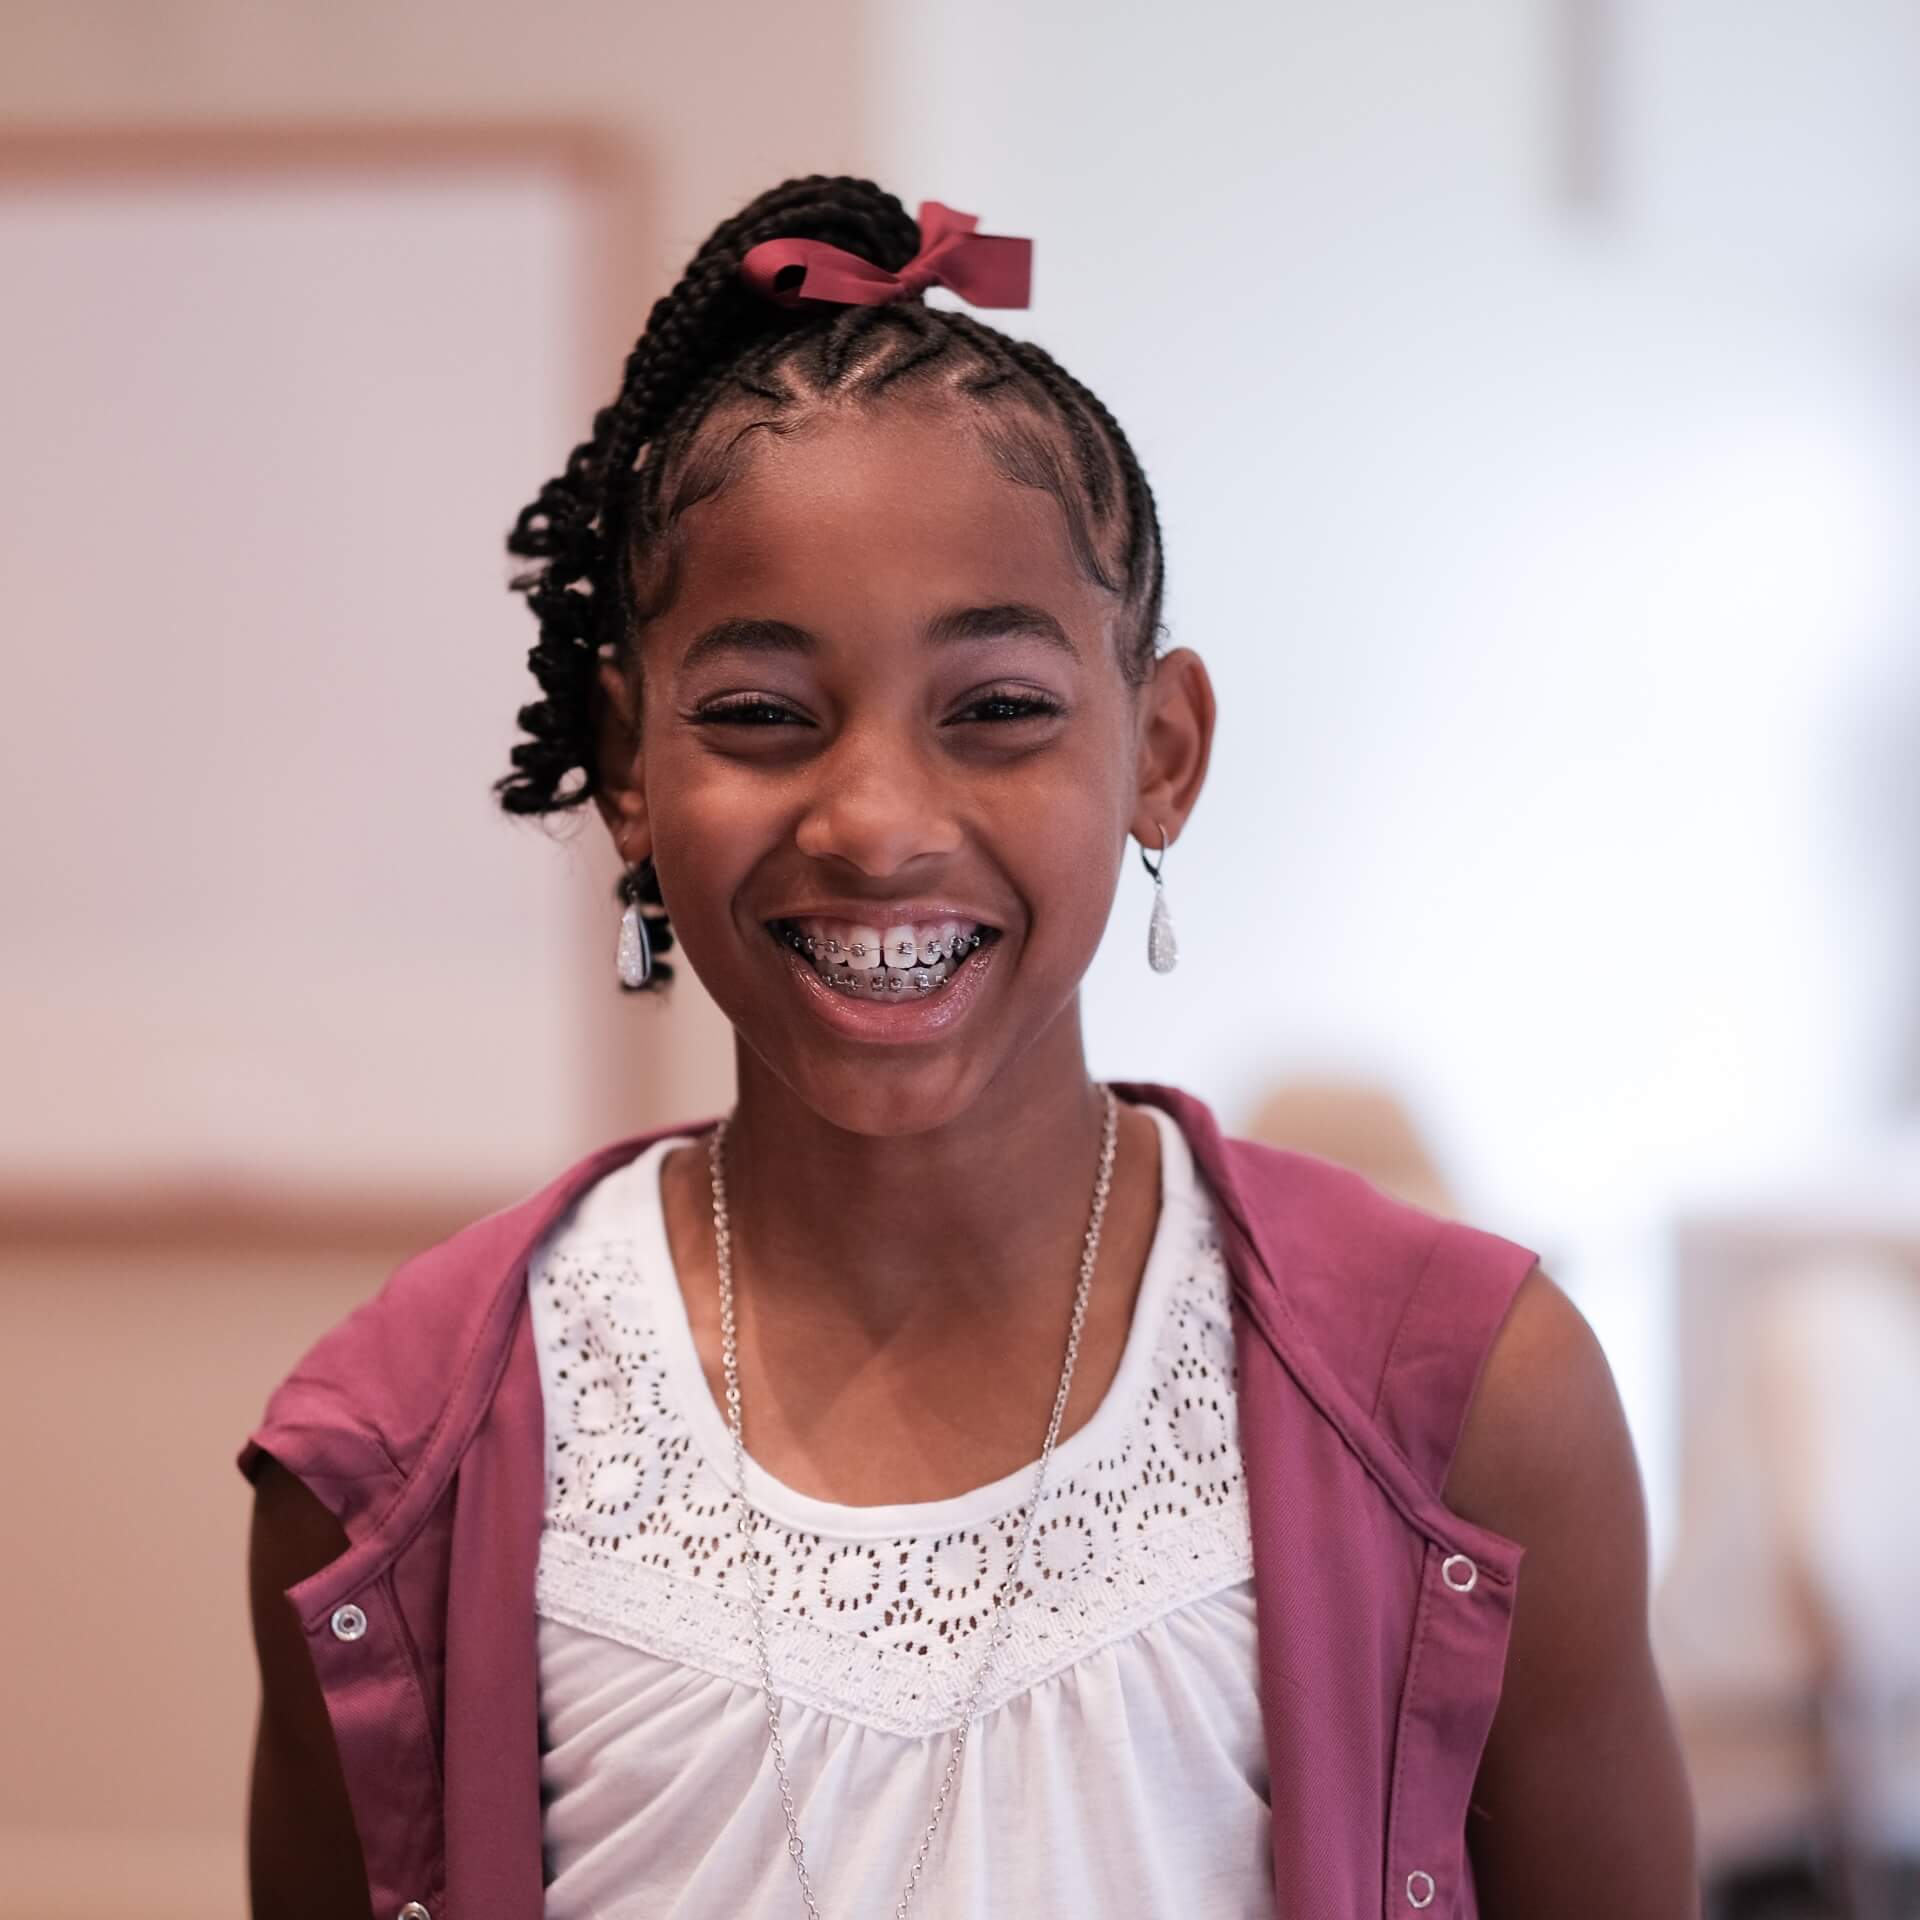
(984, 269)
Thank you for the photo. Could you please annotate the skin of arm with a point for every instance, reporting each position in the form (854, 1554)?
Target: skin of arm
(303, 1851)
(1582, 1807)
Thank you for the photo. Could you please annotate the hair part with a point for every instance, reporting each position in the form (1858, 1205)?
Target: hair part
(718, 365)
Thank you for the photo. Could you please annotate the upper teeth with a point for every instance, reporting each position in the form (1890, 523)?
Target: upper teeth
(906, 944)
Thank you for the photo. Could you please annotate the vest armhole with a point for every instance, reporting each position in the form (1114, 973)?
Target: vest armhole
(1446, 1331)
(346, 1468)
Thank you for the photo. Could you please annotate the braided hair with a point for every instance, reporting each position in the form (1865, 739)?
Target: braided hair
(602, 533)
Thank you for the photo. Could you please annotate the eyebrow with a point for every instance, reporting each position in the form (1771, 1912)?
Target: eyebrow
(1008, 620)
(748, 636)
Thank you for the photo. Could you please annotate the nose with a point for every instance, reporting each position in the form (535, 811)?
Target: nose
(878, 805)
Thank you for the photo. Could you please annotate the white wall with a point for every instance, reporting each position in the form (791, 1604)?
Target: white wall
(1549, 559)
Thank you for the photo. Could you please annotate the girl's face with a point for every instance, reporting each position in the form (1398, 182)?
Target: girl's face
(887, 765)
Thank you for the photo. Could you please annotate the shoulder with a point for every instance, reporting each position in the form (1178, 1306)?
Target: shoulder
(1401, 1307)
(1545, 1422)
(1370, 1303)
(356, 1412)
(1340, 1232)
(1546, 1459)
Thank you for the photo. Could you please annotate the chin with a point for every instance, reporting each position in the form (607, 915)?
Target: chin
(896, 1101)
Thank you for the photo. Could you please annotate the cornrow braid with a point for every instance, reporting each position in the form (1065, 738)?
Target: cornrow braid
(1145, 566)
(712, 348)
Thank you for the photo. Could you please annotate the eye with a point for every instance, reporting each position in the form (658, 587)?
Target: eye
(747, 710)
(1005, 704)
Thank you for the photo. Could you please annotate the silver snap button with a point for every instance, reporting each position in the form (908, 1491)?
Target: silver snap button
(349, 1623)
(1419, 1889)
(1460, 1574)
(413, 1910)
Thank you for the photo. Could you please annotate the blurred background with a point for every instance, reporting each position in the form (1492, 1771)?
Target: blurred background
(1532, 393)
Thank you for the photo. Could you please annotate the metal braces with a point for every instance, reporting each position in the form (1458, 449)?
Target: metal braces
(811, 945)
(879, 983)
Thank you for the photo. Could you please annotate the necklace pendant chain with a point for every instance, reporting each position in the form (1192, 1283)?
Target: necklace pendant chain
(747, 1522)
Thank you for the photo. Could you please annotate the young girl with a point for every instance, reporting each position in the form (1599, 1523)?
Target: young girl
(945, 1484)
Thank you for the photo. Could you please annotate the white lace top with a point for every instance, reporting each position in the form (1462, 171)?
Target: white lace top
(1117, 1764)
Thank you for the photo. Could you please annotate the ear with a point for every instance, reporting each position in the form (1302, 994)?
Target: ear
(618, 790)
(1176, 742)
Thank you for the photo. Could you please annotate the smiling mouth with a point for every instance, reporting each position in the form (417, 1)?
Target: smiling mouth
(873, 963)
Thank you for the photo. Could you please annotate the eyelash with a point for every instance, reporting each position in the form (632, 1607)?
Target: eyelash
(736, 712)
(1026, 706)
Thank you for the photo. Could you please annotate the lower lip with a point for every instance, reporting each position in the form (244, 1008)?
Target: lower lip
(913, 1016)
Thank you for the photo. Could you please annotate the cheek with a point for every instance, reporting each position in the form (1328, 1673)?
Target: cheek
(709, 827)
(1065, 837)
(1081, 872)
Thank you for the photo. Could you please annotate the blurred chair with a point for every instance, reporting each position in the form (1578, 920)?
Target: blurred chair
(1789, 1620)
(1361, 1125)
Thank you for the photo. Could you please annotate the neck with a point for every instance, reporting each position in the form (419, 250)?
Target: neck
(890, 1229)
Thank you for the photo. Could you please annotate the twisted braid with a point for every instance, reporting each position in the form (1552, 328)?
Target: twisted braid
(710, 342)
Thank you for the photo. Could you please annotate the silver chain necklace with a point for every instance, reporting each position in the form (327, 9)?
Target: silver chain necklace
(748, 1522)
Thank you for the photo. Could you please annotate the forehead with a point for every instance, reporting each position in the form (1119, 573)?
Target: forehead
(859, 519)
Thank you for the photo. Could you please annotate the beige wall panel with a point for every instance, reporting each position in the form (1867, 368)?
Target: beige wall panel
(127, 1382)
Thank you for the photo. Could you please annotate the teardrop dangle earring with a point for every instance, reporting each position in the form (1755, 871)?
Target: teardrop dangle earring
(633, 957)
(1163, 950)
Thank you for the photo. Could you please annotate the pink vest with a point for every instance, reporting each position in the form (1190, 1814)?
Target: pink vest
(1360, 1328)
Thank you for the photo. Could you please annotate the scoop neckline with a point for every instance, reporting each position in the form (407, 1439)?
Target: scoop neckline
(805, 1513)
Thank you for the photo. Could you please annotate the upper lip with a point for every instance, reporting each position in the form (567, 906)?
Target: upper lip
(890, 913)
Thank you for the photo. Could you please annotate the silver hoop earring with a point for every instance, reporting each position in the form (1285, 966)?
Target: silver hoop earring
(633, 956)
(1163, 950)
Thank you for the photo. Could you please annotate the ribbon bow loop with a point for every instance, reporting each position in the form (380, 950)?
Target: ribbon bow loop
(984, 269)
